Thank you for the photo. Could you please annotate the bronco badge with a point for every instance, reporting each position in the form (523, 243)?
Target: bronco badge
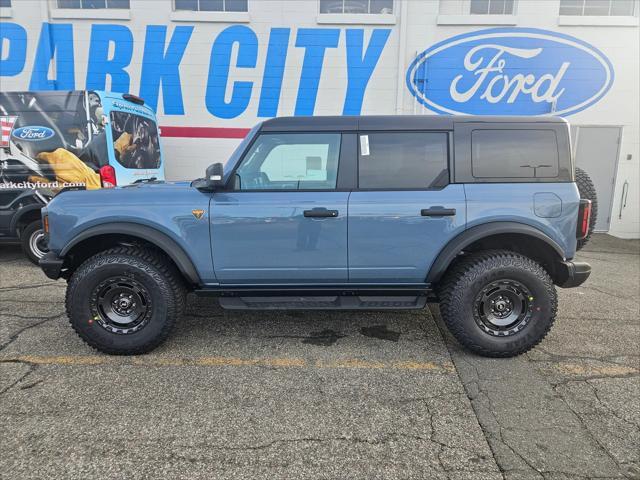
(198, 213)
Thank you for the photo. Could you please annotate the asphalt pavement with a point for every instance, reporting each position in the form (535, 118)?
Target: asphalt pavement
(323, 395)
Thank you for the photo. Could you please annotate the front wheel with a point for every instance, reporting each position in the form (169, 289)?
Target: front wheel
(498, 303)
(125, 301)
(33, 242)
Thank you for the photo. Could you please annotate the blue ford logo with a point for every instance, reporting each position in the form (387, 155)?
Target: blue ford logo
(510, 71)
(33, 133)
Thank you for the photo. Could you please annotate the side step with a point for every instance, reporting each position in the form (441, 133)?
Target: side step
(330, 302)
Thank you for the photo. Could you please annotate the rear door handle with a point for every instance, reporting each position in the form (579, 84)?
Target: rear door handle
(321, 213)
(438, 212)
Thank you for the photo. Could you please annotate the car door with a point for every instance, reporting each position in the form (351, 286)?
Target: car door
(284, 220)
(404, 210)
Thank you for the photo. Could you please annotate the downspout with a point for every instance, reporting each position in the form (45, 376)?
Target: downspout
(402, 51)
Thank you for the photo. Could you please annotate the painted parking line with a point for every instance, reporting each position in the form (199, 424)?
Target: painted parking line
(585, 370)
(210, 361)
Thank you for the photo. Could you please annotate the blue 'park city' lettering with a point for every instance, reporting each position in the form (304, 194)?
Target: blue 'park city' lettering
(111, 51)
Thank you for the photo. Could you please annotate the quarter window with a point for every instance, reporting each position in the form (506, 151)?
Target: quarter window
(135, 140)
(291, 161)
(491, 7)
(402, 160)
(212, 5)
(597, 7)
(514, 153)
(356, 6)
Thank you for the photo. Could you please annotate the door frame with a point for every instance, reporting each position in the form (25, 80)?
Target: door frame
(615, 166)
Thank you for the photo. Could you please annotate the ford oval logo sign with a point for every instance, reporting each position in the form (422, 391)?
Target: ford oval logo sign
(33, 133)
(510, 71)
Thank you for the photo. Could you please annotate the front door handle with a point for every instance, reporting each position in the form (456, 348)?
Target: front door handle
(321, 213)
(438, 212)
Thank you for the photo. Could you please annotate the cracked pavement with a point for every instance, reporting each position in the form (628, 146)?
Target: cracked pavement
(323, 394)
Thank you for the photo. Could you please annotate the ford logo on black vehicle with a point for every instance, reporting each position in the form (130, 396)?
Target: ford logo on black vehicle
(33, 133)
(510, 71)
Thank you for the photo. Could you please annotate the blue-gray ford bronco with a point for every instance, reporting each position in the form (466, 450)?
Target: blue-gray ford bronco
(481, 214)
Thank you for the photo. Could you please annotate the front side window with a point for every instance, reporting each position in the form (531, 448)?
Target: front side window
(290, 161)
(400, 160)
(491, 7)
(356, 6)
(135, 140)
(597, 7)
(514, 153)
(93, 4)
(5, 3)
(212, 5)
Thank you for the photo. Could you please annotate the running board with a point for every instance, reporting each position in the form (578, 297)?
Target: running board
(327, 302)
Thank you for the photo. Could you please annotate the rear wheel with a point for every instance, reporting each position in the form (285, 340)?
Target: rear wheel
(125, 301)
(498, 303)
(588, 191)
(32, 240)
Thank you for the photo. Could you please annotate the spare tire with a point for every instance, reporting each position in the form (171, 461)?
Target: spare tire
(588, 191)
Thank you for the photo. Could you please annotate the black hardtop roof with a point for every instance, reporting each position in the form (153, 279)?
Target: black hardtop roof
(392, 122)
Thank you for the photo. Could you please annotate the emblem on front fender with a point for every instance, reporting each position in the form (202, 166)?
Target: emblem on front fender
(198, 213)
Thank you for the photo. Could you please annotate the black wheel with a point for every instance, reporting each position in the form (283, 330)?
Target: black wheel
(587, 190)
(33, 241)
(125, 301)
(498, 303)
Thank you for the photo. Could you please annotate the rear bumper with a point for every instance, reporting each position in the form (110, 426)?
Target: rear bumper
(51, 265)
(573, 274)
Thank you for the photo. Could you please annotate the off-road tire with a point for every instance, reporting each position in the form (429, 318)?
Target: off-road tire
(31, 238)
(466, 280)
(159, 279)
(588, 191)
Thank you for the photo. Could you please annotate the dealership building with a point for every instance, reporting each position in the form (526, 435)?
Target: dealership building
(214, 68)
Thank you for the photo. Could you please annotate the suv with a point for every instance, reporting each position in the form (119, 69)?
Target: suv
(383, 212)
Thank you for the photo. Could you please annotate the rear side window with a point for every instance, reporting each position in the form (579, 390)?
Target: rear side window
(403, 160)
(135, 140)
(514, 153)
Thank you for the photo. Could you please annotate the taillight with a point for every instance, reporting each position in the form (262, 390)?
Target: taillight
(108, 176)
(584, 218)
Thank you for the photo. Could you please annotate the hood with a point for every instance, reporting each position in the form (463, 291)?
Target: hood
(144, 193)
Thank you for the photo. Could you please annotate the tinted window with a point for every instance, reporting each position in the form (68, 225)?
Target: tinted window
(403, 160)
(291, 161)
(212, 5)
(514, 153)
(356, 6)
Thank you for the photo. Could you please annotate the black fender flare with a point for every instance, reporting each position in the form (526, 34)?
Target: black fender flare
(13, 227)
(473, 234)
(152, 235)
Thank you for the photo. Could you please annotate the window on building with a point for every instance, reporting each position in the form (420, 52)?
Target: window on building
(400, 160)
(597, 7)
(514, 153)
(293, 161)
(491, 7)
(356, 6)
(90, 4)
(212, 5)
(5, 3)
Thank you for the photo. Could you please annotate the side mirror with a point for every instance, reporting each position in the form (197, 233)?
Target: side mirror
(214, 178)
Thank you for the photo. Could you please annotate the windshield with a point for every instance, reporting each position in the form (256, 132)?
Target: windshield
(135, 140)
